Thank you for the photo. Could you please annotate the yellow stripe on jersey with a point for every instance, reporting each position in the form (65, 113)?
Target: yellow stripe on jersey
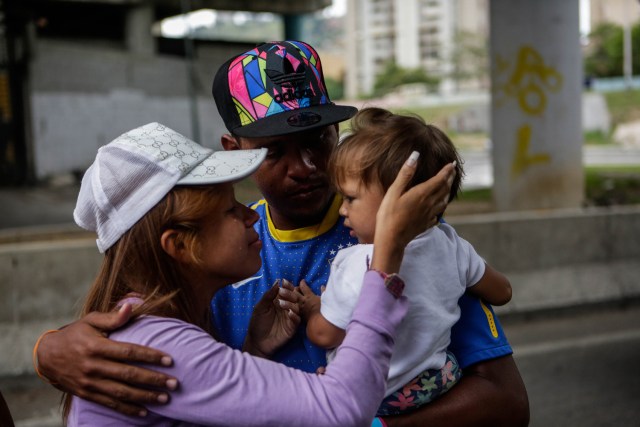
(306, 233)
(490, 320)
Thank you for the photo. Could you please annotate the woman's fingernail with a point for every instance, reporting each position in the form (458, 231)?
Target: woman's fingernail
(282, 303)
(413, 158)
(163, 398)
(166, 361)
(142, 413)
(172, 384)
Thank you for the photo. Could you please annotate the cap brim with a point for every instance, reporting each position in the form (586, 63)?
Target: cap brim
(225, 166)
(287, 122)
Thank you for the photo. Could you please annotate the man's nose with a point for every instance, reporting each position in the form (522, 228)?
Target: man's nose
(302, 162)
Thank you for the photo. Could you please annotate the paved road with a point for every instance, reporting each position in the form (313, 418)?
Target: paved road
(479, 170)
(581, 370)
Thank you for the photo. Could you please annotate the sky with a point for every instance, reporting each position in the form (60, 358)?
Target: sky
(585, 17)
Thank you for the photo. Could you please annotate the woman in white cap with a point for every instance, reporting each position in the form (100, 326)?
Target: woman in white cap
(166, 218)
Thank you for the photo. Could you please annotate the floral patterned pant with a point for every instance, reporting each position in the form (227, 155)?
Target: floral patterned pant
(421, 390)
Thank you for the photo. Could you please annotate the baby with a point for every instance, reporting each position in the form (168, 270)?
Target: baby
(438, 265)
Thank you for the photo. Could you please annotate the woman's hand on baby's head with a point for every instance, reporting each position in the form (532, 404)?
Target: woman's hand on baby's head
(403, 214)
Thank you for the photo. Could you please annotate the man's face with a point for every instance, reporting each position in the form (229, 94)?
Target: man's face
(293, 178)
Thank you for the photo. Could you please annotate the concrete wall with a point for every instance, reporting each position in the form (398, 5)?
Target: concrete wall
(536, 80)
(560, 258)
(553, 259)
(84, 95)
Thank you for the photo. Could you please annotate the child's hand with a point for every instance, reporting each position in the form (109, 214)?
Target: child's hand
(308, 301)
(274, 321)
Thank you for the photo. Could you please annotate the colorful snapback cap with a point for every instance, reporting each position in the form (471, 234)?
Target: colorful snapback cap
(276, 88)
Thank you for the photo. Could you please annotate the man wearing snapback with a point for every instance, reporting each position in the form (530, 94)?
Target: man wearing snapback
(274, 96)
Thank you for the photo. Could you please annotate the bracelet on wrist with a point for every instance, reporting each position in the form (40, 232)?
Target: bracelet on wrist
(393, 282)
(35, 356)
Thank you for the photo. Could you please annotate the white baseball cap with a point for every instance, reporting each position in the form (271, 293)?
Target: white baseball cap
(132, 173)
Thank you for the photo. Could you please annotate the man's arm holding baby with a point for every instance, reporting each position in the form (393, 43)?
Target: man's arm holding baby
(490, 393)
(80, 359)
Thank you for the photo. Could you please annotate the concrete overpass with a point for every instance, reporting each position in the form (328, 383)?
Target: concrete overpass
(53, 48)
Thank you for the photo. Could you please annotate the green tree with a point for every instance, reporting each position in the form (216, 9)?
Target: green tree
(393, 76)
(334, 87)
(470, 57)
(605, 53)
(635, 48)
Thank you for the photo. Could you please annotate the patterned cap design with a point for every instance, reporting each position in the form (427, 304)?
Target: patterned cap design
(274, 89)
(132, 173)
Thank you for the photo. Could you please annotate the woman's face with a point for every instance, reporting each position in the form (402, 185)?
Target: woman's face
(230, 247)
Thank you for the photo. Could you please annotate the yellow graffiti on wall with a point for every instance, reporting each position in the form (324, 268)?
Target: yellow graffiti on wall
(530, 78)
(529, 82)
(522, 159)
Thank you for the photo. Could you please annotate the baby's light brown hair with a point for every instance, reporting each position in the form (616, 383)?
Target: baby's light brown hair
(380, 142)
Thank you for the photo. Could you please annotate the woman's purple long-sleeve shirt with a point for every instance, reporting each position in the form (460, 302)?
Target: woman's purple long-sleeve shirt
(220, 386)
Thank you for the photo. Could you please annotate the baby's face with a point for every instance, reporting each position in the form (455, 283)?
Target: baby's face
(359, 207)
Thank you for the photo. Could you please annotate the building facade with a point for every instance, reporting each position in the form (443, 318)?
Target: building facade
(620, 12)
(411, 33)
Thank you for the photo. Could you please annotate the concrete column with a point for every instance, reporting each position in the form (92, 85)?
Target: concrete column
(536, 76)
(293, 27)
(138, 35)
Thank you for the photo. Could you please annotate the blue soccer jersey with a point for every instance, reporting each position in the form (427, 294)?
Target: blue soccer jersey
(293, 255)
(477, 335)
(307, 254)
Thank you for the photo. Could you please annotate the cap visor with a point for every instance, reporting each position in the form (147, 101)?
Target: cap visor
(279, 124)
(225, 166)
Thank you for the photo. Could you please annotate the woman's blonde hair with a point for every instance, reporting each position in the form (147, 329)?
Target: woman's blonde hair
(137, 263)
(382, 141)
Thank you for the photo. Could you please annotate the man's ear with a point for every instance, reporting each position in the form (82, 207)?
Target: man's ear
(229, 142)
(172, 244)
